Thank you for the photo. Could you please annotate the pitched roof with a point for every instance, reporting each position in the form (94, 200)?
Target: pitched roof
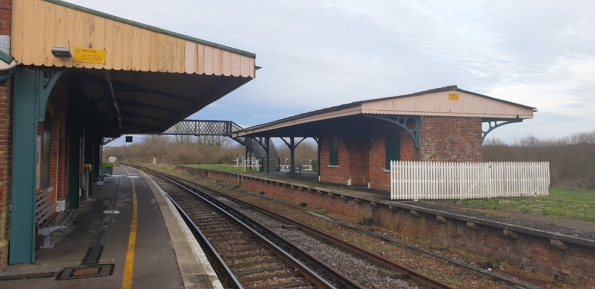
(444, 101)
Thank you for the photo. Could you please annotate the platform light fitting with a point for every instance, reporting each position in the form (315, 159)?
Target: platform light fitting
(6, 61)
(61, 52)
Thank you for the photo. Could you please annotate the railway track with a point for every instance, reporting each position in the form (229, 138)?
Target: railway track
(244, 257)
(418, 280)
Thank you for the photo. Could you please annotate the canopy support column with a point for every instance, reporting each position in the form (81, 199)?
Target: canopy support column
(32, 87)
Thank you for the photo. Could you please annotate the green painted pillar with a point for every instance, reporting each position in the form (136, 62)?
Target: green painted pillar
(73, 124)
(32, 87)
(318, 162)
(292, 156)
(267, 150)
(96, 160)
(88, 159)
(74, 147)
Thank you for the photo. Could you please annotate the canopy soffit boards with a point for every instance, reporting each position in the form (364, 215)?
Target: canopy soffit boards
(158, 77)
(445, 101)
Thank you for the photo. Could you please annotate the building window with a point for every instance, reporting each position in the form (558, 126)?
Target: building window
(47, 150)
(334, 151)
(392, 147)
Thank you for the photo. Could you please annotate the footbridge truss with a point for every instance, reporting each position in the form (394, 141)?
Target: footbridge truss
(257, 147)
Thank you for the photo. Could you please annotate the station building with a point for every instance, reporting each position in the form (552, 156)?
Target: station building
(357, 141)
(71, 79)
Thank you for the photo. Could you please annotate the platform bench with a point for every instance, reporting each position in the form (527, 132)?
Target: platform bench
(48, 220)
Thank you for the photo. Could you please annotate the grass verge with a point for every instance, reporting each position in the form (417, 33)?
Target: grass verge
(563, 203)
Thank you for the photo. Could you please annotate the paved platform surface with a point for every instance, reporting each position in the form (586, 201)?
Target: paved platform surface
(158, 253)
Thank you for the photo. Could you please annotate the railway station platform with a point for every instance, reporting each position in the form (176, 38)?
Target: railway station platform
(577, 229)
(126, 235)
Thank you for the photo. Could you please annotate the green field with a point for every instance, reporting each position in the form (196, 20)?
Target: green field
(563, 203)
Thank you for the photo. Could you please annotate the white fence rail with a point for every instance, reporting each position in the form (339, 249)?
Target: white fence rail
(306, 168)
(442, 180)
(248, 163)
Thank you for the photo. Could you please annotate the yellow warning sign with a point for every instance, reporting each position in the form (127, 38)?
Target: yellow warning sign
(89, 55)
(453, 96)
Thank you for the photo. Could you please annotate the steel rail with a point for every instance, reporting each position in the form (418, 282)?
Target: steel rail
(511, 278)
(235, 283)
(433, 283)
(296, 264)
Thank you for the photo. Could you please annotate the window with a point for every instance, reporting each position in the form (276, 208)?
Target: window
(334, 151)
(47, 150)
(392, 146)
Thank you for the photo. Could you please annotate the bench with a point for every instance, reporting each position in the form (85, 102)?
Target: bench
(48, 220)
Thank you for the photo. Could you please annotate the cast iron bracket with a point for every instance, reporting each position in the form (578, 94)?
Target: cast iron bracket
(494, 124)
(402, 122)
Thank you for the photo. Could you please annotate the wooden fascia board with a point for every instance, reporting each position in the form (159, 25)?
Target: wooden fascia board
(303, 120)
(151, 28)
(425, 113)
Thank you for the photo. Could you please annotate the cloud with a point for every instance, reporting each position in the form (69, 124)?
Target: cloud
(321, 53)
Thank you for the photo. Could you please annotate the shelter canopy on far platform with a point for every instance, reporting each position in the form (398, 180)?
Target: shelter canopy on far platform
(449, 101)
(446, 101)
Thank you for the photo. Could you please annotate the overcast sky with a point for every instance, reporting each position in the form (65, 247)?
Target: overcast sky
(321, 53)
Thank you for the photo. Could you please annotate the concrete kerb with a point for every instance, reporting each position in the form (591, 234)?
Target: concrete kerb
(189, 254)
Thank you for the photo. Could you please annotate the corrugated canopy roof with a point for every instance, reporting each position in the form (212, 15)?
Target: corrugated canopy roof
(445, 101)
(159, 77)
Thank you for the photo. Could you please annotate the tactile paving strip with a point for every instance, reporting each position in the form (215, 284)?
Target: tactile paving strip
(98, 270)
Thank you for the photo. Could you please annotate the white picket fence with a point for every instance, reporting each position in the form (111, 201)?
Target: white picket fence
(248, 163)
(450, 180)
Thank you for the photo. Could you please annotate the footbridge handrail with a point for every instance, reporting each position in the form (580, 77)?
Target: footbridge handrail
(223, 128)
(203, 127)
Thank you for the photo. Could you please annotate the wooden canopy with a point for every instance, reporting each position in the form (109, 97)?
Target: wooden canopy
(156, 77)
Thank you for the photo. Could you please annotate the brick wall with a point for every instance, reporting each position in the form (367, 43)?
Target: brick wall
(353, 161)
(5, 16)
(5, 142)
(59, 102)
(5, 168)
(358, 151)
(334, 174)
(451, 139)
(364, 161)
(379, 176)
(62, 190)
(570, 263)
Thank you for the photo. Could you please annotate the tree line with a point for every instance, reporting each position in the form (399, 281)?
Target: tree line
(571, 158)
(172, 150)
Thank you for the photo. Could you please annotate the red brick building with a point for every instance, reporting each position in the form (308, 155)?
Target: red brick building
(358, 140)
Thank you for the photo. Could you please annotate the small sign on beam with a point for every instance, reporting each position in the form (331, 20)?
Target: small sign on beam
(89, 55)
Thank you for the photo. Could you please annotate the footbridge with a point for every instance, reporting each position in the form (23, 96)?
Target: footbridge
(257, 147)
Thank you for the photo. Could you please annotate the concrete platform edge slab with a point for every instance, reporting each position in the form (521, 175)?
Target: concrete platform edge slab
(189, 254)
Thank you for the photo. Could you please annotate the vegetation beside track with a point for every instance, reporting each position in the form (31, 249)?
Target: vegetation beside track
(562, 203)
